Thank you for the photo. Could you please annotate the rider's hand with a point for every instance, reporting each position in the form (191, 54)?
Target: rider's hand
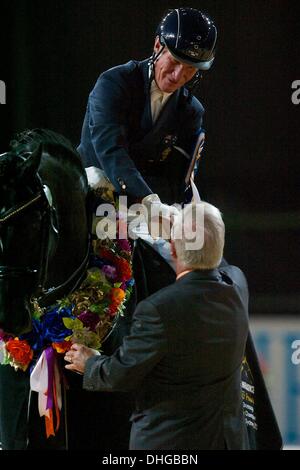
(159, 216)
(97, 179)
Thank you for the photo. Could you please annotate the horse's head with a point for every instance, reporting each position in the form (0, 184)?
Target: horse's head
(31, 186)
(22, 208)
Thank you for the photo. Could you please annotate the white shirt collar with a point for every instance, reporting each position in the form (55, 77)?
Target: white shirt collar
(154, 89)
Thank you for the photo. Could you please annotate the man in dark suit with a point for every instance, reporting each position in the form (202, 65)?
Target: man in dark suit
(142, 124)
(184, 353)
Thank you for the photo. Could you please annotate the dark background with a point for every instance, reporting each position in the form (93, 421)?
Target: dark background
(52, 53)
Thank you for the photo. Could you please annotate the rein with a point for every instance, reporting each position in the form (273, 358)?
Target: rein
(16, 210)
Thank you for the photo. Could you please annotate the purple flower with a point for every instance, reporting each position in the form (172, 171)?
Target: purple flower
(89, 319)
(109, 271)
(124, 244)
(4, 336)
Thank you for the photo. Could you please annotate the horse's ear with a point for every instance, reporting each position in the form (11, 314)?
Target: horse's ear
(30, 166)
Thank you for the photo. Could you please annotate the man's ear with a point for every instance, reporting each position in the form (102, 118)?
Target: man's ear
(157, 45)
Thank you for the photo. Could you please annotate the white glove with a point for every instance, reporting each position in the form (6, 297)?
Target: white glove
(159, 216)
(98, 179)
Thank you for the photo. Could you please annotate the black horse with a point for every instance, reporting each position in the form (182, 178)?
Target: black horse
(44, 251)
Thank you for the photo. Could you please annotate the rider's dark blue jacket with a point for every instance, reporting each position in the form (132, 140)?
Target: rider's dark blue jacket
(118, 134)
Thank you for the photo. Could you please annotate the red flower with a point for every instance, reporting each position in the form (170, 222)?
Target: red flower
(117, 296)
(113, 310)
(106, 254)
(124, 271)
(20, 352)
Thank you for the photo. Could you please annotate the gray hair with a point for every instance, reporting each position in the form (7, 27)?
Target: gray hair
(198, 234)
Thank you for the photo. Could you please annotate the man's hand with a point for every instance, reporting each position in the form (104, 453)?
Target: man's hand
(77, 357)
(159, 216)
(98, 179)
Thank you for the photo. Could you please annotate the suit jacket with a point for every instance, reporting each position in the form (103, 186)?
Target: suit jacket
(118, 134)
(183, 359)
(265, 435)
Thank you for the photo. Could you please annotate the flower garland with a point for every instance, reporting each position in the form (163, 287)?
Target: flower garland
(85, 316)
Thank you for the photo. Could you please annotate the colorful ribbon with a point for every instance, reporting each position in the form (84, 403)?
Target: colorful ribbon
(45, 379)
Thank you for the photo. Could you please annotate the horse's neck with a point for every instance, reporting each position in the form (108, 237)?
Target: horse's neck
(72, 241)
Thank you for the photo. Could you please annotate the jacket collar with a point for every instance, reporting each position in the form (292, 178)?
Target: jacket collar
(147, 117)
(145, 70)
(203, 275)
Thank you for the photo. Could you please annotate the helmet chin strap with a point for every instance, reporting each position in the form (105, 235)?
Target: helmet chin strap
(195, 82)
(154, 58)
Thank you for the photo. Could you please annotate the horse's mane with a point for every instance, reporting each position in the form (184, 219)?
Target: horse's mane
(28, 140)
(57, 146)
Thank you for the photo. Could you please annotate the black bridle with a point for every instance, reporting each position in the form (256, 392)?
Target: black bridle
(18, 271)
(44, 203)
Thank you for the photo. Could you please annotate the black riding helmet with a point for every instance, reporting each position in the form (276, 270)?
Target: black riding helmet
(190, 36)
